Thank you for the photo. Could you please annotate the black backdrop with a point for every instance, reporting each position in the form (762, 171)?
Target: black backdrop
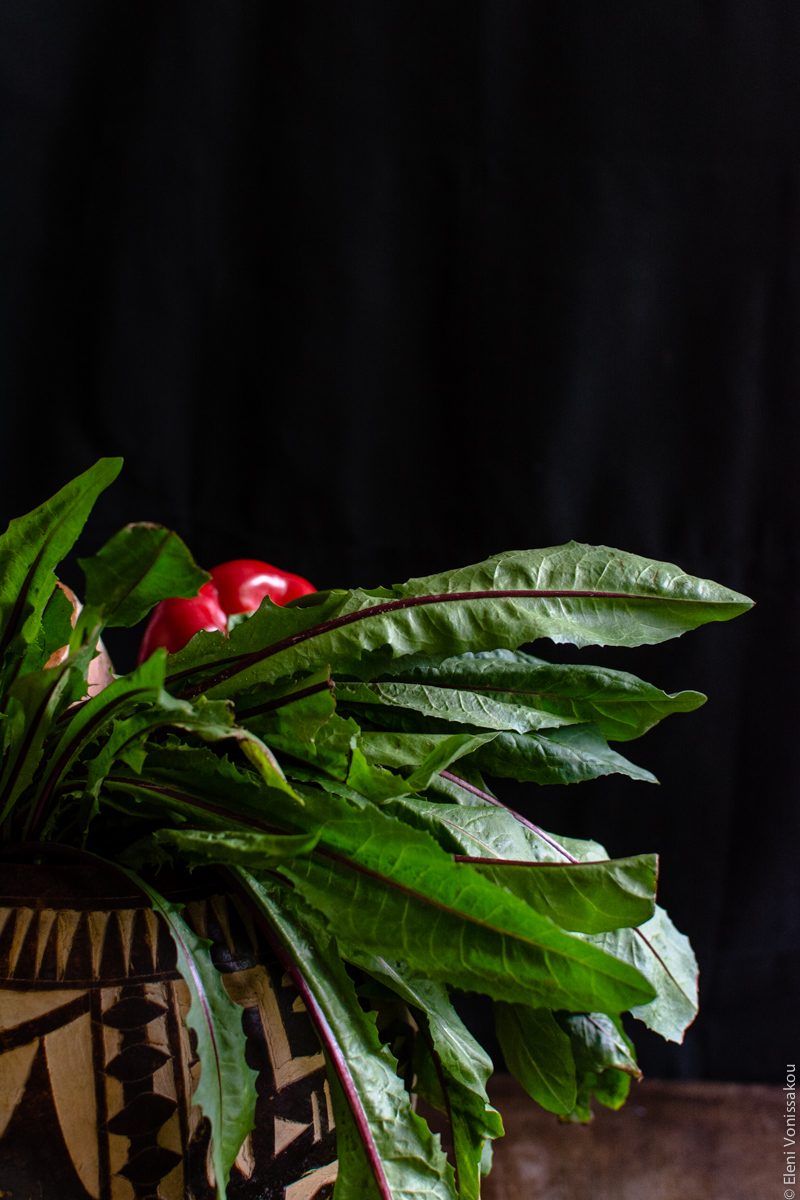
(371, 289)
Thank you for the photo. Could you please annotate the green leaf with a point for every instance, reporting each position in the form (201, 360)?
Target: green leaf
(666, 958)
(478, 831)
(34, 702)
(386, 1151)
(138, 567)
(264, 761)
(587, 897)
(529, 693)
(196, 785)
(604, 1061)
(304, 774)
(580, 849)
(426, 754)
(227, 1089)
(393, 891)
(442, 756)
(212, 721)
(468, 787)
(54, 633)
(451, 704)
(86, 721)
(572, 593)
(662, 954)
(256, 851)
(390, 890)
(400, 750)
(452, 1068)
(337, 751)
(611, 1088)
(36, 543)
(598, 1043)
(570, 754)
(31, 709)
(126, 741)
(538, 1054)
(298, 712)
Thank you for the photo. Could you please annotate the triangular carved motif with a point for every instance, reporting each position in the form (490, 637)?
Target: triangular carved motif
(98, 923)
(5, 913)
(286, 1132)
(70, 1064)
(151, 920)
(24, 918)
(46, 918)
(67, 924)
(16, 1069)
(125, 919)
(196, 911)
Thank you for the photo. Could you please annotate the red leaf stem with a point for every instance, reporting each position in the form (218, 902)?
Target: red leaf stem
(324, 1030)
(468, 787)
(235, 664)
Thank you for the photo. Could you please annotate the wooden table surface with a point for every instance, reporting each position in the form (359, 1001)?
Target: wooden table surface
(671, 1141)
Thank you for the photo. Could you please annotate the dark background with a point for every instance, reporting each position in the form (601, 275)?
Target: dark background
(371, 289)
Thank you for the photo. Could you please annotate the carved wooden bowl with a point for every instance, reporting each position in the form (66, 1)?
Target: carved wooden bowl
(97, 1067)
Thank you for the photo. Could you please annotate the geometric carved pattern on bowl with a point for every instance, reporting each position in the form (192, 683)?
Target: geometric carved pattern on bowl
(291, 1153)
(97, 1066)
(58, 947)
(110, 1060)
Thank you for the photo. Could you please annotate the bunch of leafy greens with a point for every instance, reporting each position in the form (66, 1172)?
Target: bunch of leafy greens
(328, 758)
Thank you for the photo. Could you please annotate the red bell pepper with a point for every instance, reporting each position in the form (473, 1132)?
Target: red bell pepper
(243, 583)
(235, 587)
(174, 622)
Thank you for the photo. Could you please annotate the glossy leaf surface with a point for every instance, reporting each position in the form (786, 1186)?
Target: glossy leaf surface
(570, 754)
(34, 545)
(533, 694)
(485, 940)
(665, 957)
(573, 593)
(586, 897)
(138, 567)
